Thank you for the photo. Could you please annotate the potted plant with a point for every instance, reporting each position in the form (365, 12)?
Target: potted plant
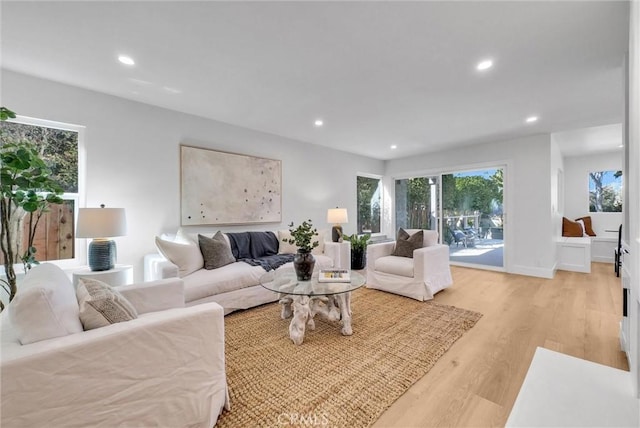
(358, 250)
(302, 237)
(26, 192)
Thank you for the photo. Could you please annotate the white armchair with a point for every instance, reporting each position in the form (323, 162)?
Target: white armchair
(419, 277)
(164, 368)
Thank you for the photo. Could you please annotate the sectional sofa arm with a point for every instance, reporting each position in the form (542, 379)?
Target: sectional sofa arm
(339, 252)
(174, 357)
(155, 296)
(157, 267)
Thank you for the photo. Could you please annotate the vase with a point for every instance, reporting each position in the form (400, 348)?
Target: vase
(358, 259)
(303, 263)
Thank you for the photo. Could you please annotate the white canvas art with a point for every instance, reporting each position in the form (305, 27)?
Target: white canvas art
(227, 188)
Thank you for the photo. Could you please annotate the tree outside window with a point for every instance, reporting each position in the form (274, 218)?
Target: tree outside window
(55, 233)
(369, 204)
(605, 191)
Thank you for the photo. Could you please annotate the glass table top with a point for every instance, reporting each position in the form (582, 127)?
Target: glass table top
(284, 281)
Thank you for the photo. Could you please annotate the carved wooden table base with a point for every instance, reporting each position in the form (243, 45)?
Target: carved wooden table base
(304, 308)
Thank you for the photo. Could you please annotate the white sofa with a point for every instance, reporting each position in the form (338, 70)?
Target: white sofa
(164, 368)
(420, 277)
(235, 286)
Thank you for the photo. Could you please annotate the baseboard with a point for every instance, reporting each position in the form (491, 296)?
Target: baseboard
(534, 271)
(602, 259)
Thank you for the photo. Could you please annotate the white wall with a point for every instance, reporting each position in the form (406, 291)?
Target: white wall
(558, 192)
(133, 160)
(529, 240)
(576, 202)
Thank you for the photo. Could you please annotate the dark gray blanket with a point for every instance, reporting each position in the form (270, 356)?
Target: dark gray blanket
(258, 249)
(270, 262)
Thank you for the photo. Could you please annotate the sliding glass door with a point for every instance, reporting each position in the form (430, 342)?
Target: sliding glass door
(466, 208)
(472, 212)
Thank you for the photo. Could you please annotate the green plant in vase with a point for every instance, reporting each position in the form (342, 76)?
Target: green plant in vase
(358, 249)
(302, 237)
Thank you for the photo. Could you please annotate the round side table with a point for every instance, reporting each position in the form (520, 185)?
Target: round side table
(120, 275)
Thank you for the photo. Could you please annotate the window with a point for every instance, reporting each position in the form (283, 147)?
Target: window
(369, 204)
(605, 191)
(59, 145)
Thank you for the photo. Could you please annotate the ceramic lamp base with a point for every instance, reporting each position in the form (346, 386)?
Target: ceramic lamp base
(102, 254)
(336, 233)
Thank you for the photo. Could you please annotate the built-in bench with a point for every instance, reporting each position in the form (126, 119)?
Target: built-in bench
(574, 254)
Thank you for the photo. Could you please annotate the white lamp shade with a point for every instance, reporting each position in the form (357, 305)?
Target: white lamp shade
(101, 223)
(337, 216)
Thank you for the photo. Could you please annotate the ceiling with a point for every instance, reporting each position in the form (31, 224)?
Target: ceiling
(377, 73)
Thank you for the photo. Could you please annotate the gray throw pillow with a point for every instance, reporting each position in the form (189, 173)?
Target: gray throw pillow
(405, 243)
(215, 251)
(102, 305)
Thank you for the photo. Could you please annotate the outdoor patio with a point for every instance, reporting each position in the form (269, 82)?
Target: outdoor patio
(487, 252)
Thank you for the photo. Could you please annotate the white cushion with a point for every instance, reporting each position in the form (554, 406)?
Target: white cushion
(187, 257)
(101, 305)
(430, 236)
(395, 265)
(584, 233)
(45, 305)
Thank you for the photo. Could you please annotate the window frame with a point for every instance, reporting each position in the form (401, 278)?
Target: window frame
(380, 179)
(80, 253)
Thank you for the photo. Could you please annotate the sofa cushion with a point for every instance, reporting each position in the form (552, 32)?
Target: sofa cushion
(215, 251)
(102, 305)
(406, 244)
(45, 305)
(187, 257)
(394, 265)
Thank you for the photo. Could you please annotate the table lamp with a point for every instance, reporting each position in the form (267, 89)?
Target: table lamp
(101, 224)
(337, 216)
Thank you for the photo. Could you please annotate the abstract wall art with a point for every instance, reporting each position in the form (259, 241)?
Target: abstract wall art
(226, 188)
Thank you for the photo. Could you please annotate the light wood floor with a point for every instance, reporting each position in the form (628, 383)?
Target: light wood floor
(476, 382)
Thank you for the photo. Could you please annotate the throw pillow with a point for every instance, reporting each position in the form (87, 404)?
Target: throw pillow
(102, 305)
(588, 228)
(187, 257)
(406, 244)
(45, 305)
(215, 251)
(584, 229)
(571, 229)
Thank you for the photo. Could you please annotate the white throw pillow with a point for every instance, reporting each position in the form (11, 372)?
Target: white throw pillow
(45, 305)
(102, 305)
(187, 257)
(584, 229)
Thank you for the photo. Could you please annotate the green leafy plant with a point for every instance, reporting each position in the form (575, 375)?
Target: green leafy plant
(302, 236)
(358, 243)
(26, 192)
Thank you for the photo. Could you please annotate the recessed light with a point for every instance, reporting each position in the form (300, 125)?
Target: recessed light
(531, 119)
(318, 122)
(621, 146)
(393, 147)
(484, 65)
(127, 60)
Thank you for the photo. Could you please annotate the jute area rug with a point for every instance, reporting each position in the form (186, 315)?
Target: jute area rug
(333, 380)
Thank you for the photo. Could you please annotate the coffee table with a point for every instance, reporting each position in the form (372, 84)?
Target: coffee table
(304, 299)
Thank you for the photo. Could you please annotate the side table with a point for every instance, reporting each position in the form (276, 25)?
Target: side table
(120, 275)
